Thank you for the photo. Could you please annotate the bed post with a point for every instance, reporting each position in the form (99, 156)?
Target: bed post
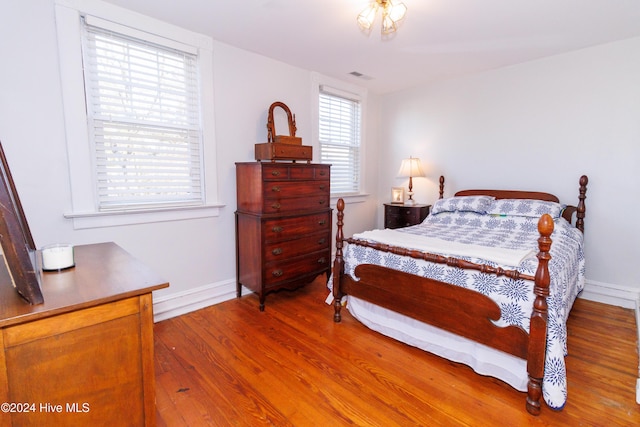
(441, 186)
(581, 206)
(538, 326)
(338, 264)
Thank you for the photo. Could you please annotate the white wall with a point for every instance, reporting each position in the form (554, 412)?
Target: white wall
(581, 108)
(191, 254)
(538, 126)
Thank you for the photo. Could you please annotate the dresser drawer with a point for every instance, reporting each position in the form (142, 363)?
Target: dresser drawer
(294, 204)
(286, 172)
(282, 271)
(296, 227)
(402, 212)
(316, 172)
(288, 249)
(275, 171)
(278, 189)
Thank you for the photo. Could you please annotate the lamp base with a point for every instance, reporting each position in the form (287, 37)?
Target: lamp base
(410, 201)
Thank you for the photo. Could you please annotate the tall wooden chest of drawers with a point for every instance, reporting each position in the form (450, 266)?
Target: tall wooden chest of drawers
(283, 225)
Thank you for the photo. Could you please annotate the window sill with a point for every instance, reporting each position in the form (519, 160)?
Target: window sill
(84, 220)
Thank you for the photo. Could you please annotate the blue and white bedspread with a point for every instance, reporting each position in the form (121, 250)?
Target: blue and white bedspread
(512, 233)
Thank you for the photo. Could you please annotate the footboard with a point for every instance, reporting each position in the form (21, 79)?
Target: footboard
(458, 310)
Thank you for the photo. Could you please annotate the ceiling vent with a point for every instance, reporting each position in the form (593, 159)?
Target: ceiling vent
(360, 75)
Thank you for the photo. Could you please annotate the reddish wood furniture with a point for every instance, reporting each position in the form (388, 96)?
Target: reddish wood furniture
(283, 225)
(455, 309)
(397, 216)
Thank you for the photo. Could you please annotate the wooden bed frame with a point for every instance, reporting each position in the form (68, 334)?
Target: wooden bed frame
(458, 310)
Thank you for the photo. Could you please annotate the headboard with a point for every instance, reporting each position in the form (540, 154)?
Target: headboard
(567, 214)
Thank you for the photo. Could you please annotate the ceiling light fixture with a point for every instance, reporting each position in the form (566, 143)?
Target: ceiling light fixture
(392, 13)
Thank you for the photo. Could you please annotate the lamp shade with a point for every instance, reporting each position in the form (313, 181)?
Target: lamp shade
(410, 167)
(367, 16)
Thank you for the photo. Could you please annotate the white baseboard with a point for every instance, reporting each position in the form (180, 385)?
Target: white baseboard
(172, 305)
(608, 293)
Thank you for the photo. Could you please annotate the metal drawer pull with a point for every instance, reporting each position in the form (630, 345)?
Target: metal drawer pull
(277, 229)
(322, 173)
(277, 273)
(275, 173)
(276, 189)
(322, 260)
(322, 202)
(322, 222)
(276, 206)
(277, 251)
(322, 187)
(322, 241)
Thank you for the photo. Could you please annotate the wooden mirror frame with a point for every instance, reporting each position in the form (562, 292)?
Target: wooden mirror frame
(18, 247)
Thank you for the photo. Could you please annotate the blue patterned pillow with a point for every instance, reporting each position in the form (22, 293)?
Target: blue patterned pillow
(478, 204)
(525, 207)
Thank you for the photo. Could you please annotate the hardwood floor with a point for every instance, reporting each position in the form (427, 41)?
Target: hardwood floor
(231, 364)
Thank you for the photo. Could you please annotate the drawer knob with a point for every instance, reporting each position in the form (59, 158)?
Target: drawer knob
(322, 241)
(322, 222)
(275, 173)
(322, 202)
(276, 206)
(322, 187)
(276, 189)
(277, 251)
(277, 273)
(277, 229)
(322, 260)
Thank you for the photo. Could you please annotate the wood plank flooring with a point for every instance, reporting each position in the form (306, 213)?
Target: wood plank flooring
(231, 364)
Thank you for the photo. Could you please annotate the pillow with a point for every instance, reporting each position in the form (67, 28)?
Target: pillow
(525, 207)
(478, 204)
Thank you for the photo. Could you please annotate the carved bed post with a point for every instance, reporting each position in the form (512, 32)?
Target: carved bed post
(441, 187)
(581, 206)
(338, 264)
(538, 326)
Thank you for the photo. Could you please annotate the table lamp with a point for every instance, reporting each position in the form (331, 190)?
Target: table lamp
(409, 168)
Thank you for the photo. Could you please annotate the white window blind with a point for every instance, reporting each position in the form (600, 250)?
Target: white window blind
(339, 135)
(144, 120)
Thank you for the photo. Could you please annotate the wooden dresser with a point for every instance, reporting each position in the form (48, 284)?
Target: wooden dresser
(398, 216)
(84, 356)
(283, 225)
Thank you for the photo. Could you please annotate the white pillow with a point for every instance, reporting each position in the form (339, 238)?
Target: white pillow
(478, 204)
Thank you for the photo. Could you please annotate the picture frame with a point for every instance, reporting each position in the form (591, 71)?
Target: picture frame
(18, 247)
(397, 195)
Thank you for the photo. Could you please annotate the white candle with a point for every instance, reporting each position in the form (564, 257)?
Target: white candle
(57, 257)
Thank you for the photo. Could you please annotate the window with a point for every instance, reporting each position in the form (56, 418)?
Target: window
(138, 109)
(143, 113)
(339, 124)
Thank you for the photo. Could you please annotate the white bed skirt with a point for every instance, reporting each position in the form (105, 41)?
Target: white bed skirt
(482, 359)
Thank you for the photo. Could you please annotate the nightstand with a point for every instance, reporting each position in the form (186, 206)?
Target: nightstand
(397, 216)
